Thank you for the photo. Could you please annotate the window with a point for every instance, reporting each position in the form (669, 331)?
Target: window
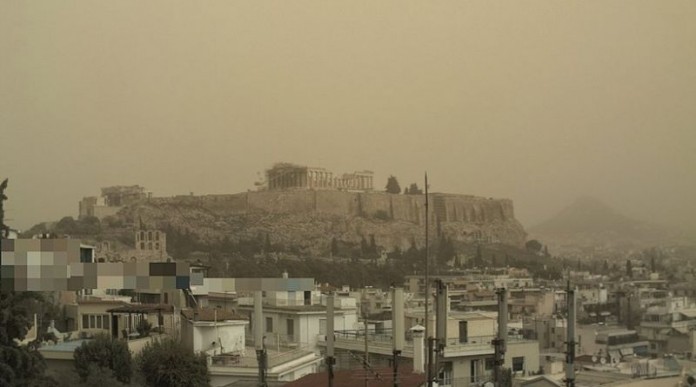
(149, 245)
(517, 364)
(157, 246)
(157, 235)
(490, 363)
(96, 321)
(474, 370)
(142, 245)
(290, 328)
(269, 324)
(322, 326)
(463, 331)
(149, 235)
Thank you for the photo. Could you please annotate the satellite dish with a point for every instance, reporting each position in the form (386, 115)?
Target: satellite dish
(615, 360)
(488, 384)
(603, 360)
(594, 359)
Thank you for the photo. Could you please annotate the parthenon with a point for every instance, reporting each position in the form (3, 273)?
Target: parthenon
(284, 176)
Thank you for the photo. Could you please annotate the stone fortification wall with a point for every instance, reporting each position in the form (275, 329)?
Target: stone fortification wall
(410, 208)
(311, 216)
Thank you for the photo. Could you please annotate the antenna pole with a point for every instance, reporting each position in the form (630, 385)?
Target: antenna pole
(429, 367)
(570, 355)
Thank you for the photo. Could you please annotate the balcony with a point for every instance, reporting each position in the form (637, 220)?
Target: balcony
(381, 343)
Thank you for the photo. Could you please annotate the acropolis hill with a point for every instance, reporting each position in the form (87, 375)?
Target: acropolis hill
(312, 207)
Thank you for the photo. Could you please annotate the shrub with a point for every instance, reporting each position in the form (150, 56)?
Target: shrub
(167, 363)
(104, 353)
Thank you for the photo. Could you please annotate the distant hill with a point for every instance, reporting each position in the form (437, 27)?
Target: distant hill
(588, 222)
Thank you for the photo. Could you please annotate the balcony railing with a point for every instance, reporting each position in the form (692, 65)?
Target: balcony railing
(384, 339)
(247, 359)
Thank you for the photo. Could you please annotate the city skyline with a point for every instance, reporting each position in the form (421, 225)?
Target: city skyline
(540, 103)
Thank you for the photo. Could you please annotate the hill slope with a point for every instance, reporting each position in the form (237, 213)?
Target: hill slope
(590, 223)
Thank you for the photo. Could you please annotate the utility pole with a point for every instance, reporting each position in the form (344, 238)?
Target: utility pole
(500, 342)
(398, 330)
(570, 354)
(428, 368)
(441, 300)
(330, 359)
(261, 353)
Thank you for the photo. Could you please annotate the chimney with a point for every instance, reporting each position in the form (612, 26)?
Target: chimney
(258, 320)
(418, 349)
(441, 300)
(330, 325)
(500, 341)
(398, 329)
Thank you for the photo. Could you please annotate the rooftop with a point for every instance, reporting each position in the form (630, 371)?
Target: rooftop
(210, 314)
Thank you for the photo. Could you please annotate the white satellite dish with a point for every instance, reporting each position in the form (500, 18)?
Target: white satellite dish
(603, 360)
(488, 384)
(594, 359)
(615, 360)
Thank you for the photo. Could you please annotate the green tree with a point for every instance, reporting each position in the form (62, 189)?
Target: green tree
(393, 186)
(413, 190)
(478, 259)
(67, 225)
(334, 247)
(533, 246)
(105, 354)
(445, 250)
(167, 363)
(19, 365)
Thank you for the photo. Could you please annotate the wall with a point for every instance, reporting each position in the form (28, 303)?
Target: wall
(462, 217)
(527, 349)
(446, 207)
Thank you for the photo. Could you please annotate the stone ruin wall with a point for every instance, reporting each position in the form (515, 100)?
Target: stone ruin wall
(460, 214)
(410, 208)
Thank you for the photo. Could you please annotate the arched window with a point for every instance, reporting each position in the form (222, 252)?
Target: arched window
(157, 246)
(149, 235)
(142, 245)
(149, 245)
(156, 235)
(142, 235)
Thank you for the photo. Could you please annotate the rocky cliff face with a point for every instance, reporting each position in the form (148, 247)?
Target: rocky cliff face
(311, 219)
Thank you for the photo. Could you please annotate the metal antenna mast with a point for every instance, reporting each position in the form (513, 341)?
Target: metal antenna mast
(428, 369)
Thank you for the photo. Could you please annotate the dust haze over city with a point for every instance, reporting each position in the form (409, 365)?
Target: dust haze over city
(540, 103)
(558, 140)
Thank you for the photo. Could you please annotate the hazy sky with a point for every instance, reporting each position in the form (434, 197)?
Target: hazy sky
(537, 101)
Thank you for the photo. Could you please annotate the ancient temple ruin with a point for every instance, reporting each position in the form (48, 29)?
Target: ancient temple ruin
(284, 176)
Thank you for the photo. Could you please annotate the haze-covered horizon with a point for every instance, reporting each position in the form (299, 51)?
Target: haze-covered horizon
(540, 102)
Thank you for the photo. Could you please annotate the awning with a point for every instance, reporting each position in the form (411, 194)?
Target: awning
(626, 351)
